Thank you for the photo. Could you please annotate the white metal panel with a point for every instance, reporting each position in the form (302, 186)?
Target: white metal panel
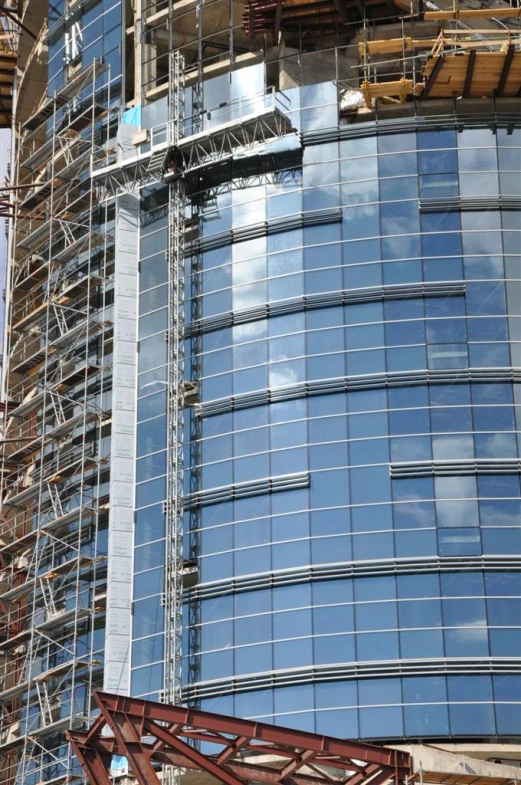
(123, 457)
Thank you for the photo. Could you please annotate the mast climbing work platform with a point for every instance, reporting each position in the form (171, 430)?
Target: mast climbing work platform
(242, 125)
(169, 153)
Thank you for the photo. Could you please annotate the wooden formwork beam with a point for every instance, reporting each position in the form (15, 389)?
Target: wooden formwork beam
(474, 13)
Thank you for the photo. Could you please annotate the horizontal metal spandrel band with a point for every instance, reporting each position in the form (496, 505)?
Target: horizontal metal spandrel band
(326, 300)
(466, 204)
(455, 468)
(351, 671)
(243, 490)
(271, 580)
(458, 120)
(354, 383)
(264, 228)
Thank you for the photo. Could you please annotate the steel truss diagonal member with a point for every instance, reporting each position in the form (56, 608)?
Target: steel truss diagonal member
(150, 734)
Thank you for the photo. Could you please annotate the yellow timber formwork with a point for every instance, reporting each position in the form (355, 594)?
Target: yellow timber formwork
(474, 74)
(460, 63)
(459, 12)
(473, 13)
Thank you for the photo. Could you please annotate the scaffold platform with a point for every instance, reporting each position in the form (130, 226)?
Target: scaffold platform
(244, 124)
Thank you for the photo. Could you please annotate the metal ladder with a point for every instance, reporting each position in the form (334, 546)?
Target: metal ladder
(48, 599)
(47, 706)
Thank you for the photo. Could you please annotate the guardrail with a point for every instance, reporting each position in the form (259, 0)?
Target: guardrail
(233, 112)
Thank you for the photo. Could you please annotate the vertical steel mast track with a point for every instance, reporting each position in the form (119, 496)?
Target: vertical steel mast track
(194, 513)
(183, 155)
(176, 231)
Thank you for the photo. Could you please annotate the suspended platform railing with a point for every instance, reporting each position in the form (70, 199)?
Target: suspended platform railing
(239, 126)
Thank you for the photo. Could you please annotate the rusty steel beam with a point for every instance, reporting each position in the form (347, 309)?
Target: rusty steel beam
(95, 762)
(170, 729)
(358, 779)
(296, 764)
(246, 771)
(202, 762)
(126, 730)
(255, 730)
(232, 750)
(383, 776)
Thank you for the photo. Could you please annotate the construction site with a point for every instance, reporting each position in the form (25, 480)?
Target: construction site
(160, 119)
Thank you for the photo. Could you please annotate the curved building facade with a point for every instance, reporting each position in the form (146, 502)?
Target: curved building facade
(359, 402)
(261, 378)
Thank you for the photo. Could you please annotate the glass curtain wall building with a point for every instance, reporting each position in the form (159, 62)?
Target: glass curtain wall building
(371, 587)
(332, 198)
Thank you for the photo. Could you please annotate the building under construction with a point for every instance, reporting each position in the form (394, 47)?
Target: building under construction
(261, 374)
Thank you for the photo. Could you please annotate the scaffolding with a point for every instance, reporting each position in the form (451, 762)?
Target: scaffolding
(52, 558)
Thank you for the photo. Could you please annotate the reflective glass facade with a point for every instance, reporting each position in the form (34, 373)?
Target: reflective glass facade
(78, 36)
(359, 417)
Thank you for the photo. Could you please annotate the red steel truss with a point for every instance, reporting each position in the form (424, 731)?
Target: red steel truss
(149, 734)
